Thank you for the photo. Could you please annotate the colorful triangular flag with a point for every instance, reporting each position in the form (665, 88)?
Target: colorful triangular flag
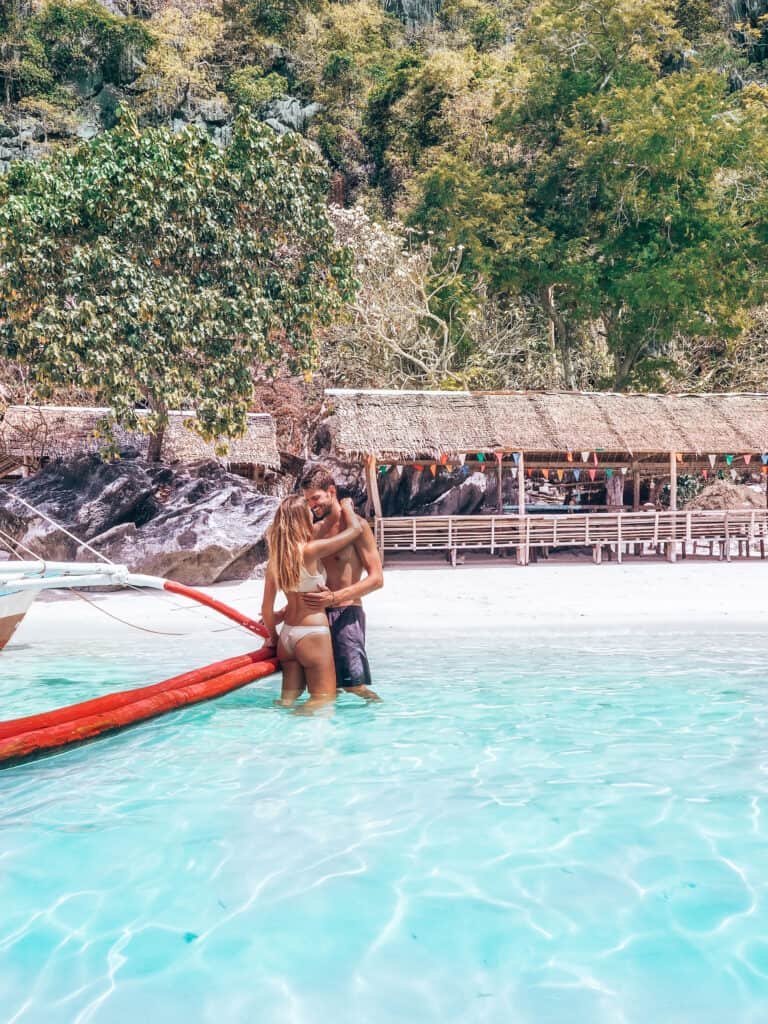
(712, 460)
(733, 474)
(577, 475)
(592, 474)
(560, 474)
(705, 473)
(516, 457)
(747, 459)
(569, 456)
(729, 459)
(764, 457)
(584, 456)
(608, 473)
(545, 474)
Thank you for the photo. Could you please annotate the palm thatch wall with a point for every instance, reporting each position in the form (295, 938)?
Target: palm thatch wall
(47, 432)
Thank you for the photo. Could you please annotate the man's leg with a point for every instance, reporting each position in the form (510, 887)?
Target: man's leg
(353, 673)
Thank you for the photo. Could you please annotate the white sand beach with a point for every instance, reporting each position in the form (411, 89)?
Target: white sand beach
(492, 594)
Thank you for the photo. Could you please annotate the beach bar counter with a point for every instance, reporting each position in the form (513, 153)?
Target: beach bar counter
(577, 439)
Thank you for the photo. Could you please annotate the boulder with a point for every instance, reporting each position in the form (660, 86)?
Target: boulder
(197, 524)
(464, 499)
(286, 113)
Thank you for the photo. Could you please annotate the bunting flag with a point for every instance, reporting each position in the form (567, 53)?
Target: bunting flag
(577, 475)
(712, 461)
(623, 470)
(480, 457)
(443, 459)
(584, 456)
(765, 468)
(516, 457)
(545, 474)
(465, 471)
(729, 459)
(418, 467)
(482, 467)
(592, 474)
(499, 456)
(530, 471)
(560, 474)
(462, 459)
(569, 456)
(679, 456)
(608, 473)
(514, 472)
(764, 457)
(383, 469)
(733, 474)
(594, 457)
(433, 469)
(746, 459)
(705, 473)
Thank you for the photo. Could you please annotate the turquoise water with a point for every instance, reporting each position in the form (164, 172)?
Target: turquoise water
(562, 831)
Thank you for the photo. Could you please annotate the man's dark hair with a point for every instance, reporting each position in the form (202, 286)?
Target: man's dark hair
(316, 478)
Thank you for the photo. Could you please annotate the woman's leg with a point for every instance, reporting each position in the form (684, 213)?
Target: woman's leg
(294, 682)
(316, 657)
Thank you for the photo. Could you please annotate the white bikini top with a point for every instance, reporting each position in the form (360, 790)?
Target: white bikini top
(311, 581)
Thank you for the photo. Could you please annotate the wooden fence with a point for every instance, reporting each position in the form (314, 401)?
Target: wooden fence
(717, 532)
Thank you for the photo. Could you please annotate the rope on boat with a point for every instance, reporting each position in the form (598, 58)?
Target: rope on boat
(146, 629)
(64, 530)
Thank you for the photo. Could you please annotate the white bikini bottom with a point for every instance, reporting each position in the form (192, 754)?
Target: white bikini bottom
(290, 636)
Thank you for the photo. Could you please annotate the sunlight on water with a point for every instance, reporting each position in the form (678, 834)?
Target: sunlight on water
(564, 832)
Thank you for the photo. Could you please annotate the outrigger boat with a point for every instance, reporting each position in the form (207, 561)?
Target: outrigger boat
(21, 582)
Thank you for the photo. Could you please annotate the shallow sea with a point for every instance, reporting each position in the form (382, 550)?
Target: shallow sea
(528, 830)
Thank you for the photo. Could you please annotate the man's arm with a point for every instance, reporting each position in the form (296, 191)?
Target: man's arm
(372, 580)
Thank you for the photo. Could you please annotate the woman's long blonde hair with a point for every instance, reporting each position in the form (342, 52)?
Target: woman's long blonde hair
(291, 529)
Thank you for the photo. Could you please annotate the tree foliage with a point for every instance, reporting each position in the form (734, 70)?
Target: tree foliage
(155, 269)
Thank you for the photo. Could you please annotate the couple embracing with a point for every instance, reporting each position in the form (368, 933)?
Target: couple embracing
(318, 552)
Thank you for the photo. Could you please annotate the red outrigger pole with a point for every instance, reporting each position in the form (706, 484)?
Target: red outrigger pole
(22, 738)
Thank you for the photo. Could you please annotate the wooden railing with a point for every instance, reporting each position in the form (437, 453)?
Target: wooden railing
(615, 531)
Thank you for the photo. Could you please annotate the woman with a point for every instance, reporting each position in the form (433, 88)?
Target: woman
(304, 646)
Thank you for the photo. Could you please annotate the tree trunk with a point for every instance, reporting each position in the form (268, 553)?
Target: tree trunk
(155, 445)
(614, 490)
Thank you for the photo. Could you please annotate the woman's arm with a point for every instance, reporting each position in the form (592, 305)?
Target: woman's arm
(329, 546)
(268, 606)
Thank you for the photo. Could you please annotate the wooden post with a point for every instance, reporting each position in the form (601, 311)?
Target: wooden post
(635, 489)
(498, 478)
(373, 485)
(672, 554)
(522, 552)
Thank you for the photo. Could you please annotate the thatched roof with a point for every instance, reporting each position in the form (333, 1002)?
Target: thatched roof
(50, 431)
(425, 424)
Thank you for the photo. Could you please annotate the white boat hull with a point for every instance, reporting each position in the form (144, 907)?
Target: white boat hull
(13, 608)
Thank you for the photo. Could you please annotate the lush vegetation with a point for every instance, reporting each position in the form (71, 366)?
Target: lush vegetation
(545, 193)
(155, 269)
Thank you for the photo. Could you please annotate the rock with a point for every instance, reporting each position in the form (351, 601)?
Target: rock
(6, 132)
(87, 84)
(107, 102)
(414, 12)
(214, 111)
(465, 499)
(8, 154)
(197, 524)
(289, 114)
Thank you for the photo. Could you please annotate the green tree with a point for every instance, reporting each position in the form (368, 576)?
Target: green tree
(620, 187)
(155, 269)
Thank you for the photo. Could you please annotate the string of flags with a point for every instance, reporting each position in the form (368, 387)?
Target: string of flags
(459, 462)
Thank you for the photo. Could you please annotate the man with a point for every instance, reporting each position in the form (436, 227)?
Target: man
(346, 585)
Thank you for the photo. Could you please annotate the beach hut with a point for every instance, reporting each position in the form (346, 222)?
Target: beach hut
(33, 435)
(604, 436)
